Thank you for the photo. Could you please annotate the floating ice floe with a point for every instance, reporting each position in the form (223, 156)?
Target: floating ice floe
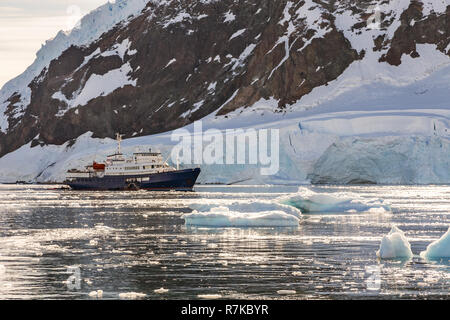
(223, 217)
(249, 206)
(439, 248)
(309, 201)
(394, 245)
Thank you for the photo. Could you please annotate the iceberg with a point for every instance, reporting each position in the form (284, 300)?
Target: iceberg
(309, 201)
(439, 248)
(394, 245)
(223, 217)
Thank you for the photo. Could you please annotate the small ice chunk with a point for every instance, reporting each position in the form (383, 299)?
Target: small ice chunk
(96, 294)
(286, 292)
(439, 248)
(229, 16)
(131, 295)
(209, 296)
(161, 290)
(394, 245)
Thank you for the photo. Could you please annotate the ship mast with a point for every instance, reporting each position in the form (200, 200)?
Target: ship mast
(119, 140)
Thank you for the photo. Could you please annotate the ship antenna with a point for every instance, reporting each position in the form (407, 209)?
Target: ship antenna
(119, 140)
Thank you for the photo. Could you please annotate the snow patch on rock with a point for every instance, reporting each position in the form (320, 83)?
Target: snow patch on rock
(97, 86)
(385, 160)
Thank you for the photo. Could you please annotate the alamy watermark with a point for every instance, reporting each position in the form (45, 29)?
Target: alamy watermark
(373, 281)
(74, 280)
(232, 146)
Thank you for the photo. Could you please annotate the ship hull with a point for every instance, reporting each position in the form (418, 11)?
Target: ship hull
(180, 180)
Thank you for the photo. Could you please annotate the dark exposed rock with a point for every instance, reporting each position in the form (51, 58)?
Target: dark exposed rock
(416, 30)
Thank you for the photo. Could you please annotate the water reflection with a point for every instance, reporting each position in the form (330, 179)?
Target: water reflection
(137, 242)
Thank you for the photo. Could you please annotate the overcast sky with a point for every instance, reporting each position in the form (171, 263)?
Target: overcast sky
(26, 24)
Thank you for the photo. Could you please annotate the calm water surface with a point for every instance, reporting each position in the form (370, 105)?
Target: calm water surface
(122, 242)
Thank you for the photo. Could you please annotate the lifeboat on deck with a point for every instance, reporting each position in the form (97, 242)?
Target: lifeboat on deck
(98, 166)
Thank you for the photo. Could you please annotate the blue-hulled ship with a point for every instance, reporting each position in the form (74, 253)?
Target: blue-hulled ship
(143, 170)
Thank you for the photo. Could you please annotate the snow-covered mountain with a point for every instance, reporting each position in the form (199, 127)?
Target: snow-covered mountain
(359, 89)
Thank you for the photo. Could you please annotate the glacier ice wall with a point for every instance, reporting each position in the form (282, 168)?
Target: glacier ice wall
(385, 160)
